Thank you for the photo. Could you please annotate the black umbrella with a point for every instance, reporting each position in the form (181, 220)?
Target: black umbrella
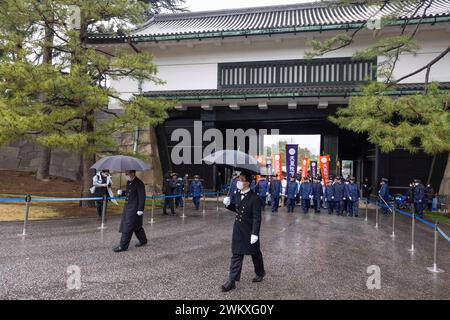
(120, 164)
(234, 159)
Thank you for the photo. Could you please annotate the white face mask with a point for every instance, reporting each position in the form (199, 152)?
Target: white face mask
(128, 178)
(240, 185)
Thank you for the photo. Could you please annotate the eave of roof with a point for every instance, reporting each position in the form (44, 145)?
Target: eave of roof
(283, 92)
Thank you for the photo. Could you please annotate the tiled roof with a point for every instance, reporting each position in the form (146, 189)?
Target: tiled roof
(279, 92)
(276, 17)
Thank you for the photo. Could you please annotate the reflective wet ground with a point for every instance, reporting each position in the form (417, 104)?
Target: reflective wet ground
(314, 256)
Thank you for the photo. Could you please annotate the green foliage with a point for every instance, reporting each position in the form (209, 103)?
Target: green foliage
(57, 104)
(412, 122)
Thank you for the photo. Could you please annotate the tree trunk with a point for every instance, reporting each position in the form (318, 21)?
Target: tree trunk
(43, 172)
(88, 160)
(445, 183)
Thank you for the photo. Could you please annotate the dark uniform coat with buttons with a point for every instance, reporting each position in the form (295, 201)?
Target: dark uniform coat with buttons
(248, 222)
(135, 201)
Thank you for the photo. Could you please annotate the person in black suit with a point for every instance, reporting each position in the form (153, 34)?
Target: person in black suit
(245, 231)
(132, 217)
(169, 189)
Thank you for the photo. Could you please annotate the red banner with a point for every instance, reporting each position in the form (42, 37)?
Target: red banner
(277, 168)
(325, 168)
(305, 165)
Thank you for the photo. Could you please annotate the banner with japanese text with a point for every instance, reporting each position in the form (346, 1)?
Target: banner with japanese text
(291, 160)
(325, 167)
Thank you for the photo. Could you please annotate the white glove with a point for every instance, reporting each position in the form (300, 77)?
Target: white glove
(227, 201)
(119, 192)
(321, 197)
(332, 197)
(350, 198)
(344, 198)
(253, 239)
(140, 213)
(310, 196)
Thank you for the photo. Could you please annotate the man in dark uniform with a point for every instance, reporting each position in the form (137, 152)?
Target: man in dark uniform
(196, 191)
(169, 188)
(233, 188)
(245, 231)
(291, 193)
(329, 196)
(317, 192)
(262, 189)
(306, 195)
(384, 194)
(133, 212)
(419, 197)
(275, 192)
(352, 195)
(339, 195)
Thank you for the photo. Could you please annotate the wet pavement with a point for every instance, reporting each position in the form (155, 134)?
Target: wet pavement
(306, 257)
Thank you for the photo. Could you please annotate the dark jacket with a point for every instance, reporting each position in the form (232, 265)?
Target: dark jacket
(352, 191)
(329, 193)
(275, 188)
(384, 192)
(135, 201)
(317, 190)
(170, 186)
(262, 188)
(419, 194)
(339, 191)
(305, 190)
(247, 222)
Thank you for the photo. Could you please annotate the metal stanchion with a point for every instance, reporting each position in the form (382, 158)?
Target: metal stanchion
(204, 203)
(102, 227)
(393, 221)
(367, 207)
(184, 206)
(153, 210)
(434, 268)
(26, 214)
(376, 214)
(217, 201)
(413, 227)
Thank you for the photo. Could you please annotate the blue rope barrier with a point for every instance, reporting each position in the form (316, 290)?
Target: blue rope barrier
(12, 199)
(405, 213)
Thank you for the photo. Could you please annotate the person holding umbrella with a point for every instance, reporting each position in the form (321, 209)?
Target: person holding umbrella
(132, 217)
(245, 231)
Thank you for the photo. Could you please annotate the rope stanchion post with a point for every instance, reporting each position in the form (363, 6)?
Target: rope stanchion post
(26, 214)
(413, 227)
(376, 214)
(367, 207)
(434, 268)
(393, 221)
(184, 206)
(217, 201)
(153, 210)
(102, 226)
(204, 203)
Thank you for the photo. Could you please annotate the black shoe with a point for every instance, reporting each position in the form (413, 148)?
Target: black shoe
(140, 244)
(258, 278)
(228, 286)
(119, 249)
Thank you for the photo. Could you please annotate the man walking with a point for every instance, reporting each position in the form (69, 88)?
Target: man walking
(352, 195)
(133, 212)
(246, 240)
(306, 195)
(317, 192)
(384, 194)
(339, 195)
(291, 193)
(419, 197)
(196, 190)
(262, 189)
(329, 196)
(169, 189)
(275, 192)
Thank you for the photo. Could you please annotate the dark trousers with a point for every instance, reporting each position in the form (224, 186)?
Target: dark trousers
(196, 201)
(316, 205)
(179, 202)
(168, 202)
(126, 238)
(263, 202)
(275, 203)
(418, 208)
(353, 208)
(330, 206)
(99, 205)
(338, 205)
(305, 205)
(290, 204)
(236, 265)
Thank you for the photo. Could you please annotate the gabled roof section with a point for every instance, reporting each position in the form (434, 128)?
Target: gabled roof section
(287, 18)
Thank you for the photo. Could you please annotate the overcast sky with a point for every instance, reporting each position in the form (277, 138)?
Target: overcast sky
(203, 5)
(312, 142)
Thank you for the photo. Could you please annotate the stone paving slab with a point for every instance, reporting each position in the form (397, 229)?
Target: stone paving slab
(306, 257)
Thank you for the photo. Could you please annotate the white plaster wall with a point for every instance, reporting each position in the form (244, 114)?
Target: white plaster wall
(194, 67)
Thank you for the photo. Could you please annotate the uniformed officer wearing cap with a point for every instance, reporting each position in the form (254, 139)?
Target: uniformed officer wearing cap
(419, 197)
(196, 191)
(245, 231)
(384, 193)
(339, 195)
(352, 195)
(329, 196)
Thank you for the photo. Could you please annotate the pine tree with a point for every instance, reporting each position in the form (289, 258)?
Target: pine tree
(56, 103)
